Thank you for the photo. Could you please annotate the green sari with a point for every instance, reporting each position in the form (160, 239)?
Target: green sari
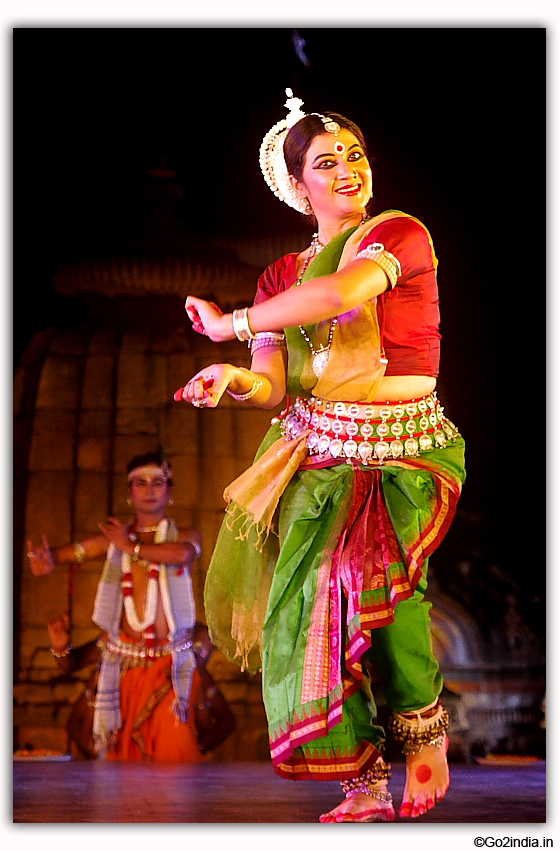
(316, 567)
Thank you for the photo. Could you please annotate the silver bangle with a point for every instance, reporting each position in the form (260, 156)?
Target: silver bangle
(243, 397)
(241, 327)
(196, 547)
(268, 338)
(60, 654)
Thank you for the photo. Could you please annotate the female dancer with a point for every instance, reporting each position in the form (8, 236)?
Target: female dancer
(358, 480)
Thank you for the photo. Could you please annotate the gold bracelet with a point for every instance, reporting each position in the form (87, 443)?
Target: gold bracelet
(79, 553)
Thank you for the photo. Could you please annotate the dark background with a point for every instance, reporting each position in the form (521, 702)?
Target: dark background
(455, 120)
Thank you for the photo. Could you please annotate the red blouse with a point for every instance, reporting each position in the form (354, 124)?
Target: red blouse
(408, 315)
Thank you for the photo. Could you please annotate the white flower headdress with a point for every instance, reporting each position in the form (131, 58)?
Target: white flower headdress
(271, 154)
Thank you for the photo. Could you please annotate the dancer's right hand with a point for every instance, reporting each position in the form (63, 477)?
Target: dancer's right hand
(208, 319)
(40, 558)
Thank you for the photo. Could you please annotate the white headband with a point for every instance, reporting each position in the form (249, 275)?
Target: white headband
(151, 471)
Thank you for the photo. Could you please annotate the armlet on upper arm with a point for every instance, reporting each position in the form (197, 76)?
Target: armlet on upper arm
(387, 261)
(195, 545)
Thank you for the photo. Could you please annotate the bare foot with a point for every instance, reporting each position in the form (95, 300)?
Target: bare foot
(360, 807)
(427, 780)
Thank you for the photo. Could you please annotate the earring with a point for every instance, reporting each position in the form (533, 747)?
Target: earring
(170, 501)
(308, 208)
(129, 501)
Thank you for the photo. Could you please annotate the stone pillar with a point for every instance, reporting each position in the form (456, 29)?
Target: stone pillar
(104, 393)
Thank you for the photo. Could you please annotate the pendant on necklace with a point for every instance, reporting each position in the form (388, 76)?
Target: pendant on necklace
(320, 360)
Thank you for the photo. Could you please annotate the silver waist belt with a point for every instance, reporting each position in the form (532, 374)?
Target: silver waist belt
(368, 433)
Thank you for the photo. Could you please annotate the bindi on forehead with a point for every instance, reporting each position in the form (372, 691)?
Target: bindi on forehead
(339, 148)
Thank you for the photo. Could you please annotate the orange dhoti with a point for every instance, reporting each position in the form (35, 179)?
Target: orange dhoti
(150, 730)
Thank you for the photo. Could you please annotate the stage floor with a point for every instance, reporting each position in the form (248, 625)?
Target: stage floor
(211, 792)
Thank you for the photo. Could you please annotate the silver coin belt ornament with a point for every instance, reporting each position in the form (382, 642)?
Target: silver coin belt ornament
(368, 433)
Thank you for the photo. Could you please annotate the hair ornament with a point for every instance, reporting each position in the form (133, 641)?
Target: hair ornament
(271, 155)
(149, 471)
(331, 126)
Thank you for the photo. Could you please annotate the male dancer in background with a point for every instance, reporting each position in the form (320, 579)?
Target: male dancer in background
(145, 606)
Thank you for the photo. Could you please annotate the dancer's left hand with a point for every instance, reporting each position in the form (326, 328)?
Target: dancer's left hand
(206, 388)
(59, 631)
(116, 532)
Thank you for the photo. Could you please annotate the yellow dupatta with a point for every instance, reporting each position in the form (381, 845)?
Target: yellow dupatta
(354, 372)
(240, 573)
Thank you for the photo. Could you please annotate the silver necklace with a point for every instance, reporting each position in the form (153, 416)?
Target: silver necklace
(321, 355)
